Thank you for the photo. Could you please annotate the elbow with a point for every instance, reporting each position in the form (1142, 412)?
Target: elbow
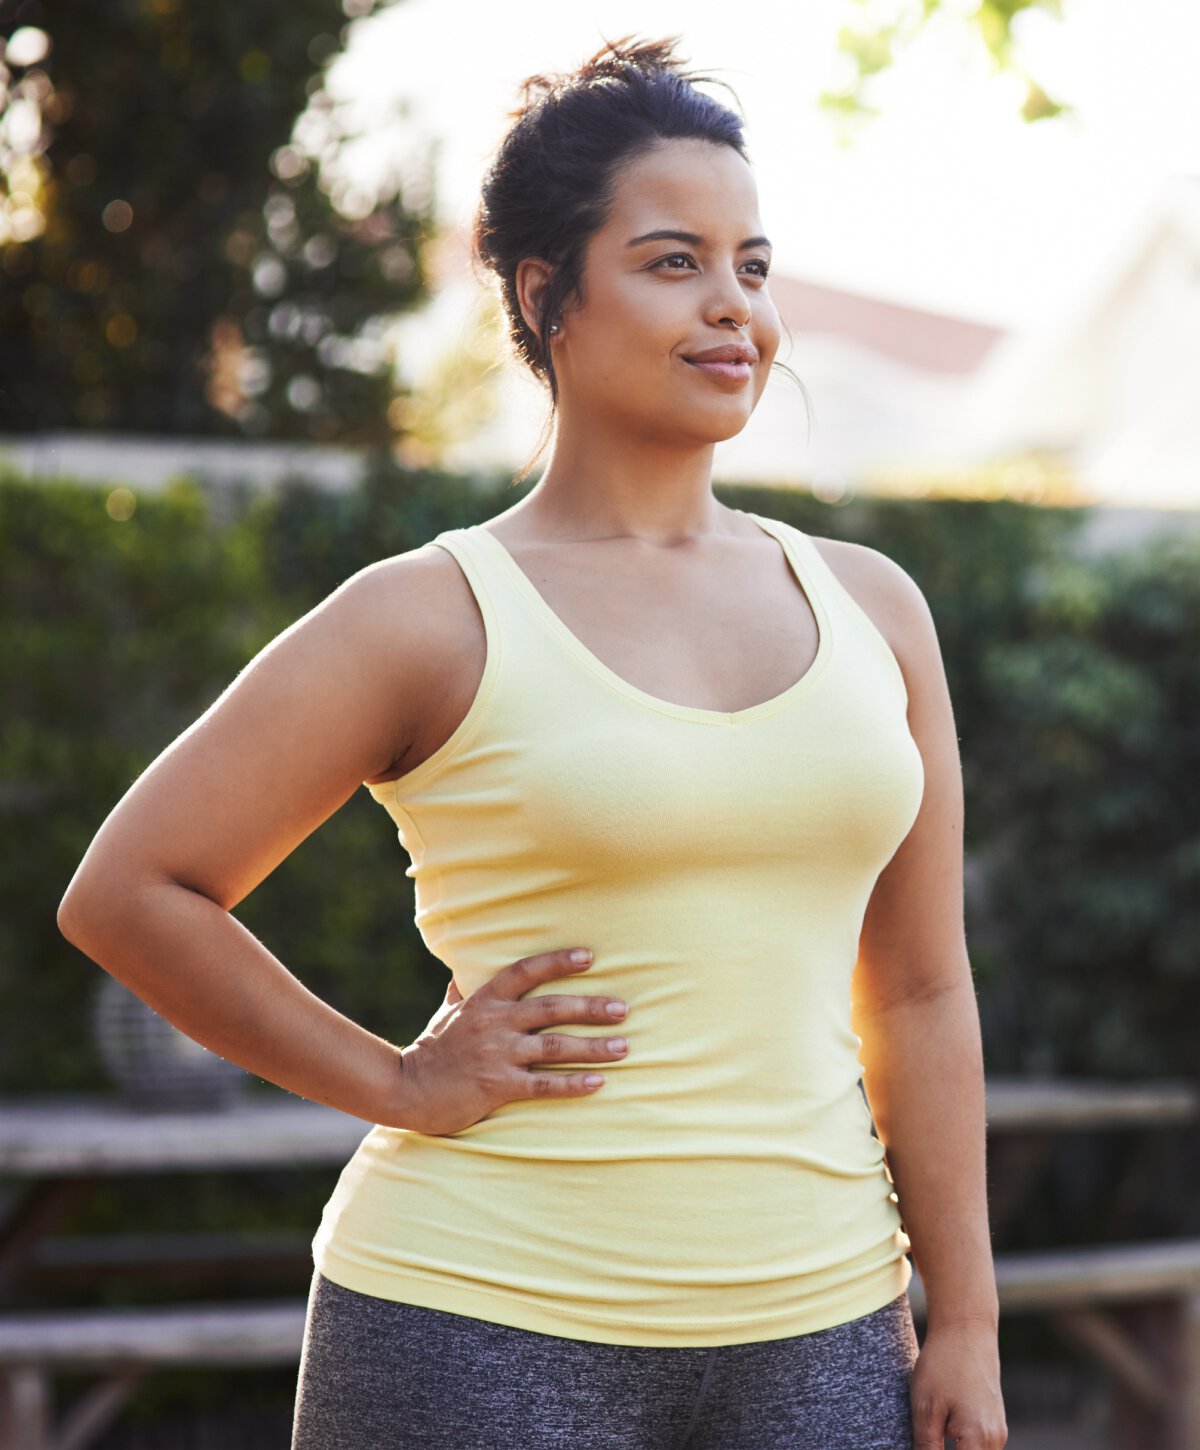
(75, 914)
(89, 913)
(105, 909)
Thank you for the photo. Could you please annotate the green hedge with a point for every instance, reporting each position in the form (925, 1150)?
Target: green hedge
(1075, 684)
(115, 633)
(1093, 782)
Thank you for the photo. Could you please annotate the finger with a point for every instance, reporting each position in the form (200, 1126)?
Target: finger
(558, 1084)
(521, 976)
(545, 1011)
(982, 1434)
(562, 1047)
(929, 1437)
(452, 992)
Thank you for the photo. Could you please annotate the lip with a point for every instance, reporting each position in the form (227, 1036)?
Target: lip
(727, 352)
(737, 372)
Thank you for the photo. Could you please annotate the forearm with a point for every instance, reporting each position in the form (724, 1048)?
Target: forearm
(923, 1074)
(202, 970)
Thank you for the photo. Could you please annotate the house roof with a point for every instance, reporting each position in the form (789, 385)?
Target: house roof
(931, 341)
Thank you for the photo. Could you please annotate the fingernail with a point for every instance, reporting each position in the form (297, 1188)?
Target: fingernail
(583, 955)
(617, 1044)
(616, 1009)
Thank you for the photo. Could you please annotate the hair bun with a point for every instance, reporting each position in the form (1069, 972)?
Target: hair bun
(613, 60)
(648, 55)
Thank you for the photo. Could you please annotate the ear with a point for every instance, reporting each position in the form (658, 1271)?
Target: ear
(532, 278)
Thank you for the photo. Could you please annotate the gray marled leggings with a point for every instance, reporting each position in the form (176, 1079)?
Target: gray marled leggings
(381, 1375)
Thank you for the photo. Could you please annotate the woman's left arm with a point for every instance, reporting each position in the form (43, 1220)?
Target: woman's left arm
(915, 1012)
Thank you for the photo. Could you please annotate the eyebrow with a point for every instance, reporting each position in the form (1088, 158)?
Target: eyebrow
(696, 241)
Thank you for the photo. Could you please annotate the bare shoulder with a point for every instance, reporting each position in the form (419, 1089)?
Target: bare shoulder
(404, 617)
(895, 604)
(406, 598)
(890, 597)
(415, 622)
(335, 699)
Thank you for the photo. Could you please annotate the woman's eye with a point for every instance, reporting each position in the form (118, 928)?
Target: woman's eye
(764, 267)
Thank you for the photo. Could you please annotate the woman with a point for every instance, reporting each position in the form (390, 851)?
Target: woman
(618, 718)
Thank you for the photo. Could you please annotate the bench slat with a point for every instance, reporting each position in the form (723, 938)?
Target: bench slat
(167, 1250)
(197, 1334)
(1030, 1104)
(1106, 1274)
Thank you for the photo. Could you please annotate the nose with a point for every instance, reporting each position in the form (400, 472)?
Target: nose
(728, 304)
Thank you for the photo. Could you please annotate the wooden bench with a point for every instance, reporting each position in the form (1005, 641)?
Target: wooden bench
(1135, 1310)
(126, 1344)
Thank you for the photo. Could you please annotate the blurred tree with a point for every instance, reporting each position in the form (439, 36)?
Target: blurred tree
(171, 259)
(1093, 770)
(122, 620)
(883, 29)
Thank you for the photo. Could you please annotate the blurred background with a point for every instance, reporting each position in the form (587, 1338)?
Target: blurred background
(242, 354)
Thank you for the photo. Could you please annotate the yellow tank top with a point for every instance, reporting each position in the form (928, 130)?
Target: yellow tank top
(724, 1185)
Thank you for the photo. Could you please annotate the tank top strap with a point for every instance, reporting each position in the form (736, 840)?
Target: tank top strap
(510, 629)
(841, 603)
(488, 582)
(512, 608)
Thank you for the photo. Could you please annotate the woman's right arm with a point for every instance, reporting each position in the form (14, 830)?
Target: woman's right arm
(290, 740)
(326, 705)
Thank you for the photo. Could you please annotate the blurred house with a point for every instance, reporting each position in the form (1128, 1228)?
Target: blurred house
(882, 378)
(1099, 405)
(1112, 383)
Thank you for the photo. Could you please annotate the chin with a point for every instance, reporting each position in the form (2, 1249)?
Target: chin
(716, 429)
(682, 420)
(735, 428)
(704, 425)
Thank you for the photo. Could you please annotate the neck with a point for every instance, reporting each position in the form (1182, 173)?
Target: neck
(593, 488)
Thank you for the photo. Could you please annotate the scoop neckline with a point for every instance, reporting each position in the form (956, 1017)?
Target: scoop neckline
(575, 646)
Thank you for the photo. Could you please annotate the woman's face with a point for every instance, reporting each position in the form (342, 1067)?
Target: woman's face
(652, 304)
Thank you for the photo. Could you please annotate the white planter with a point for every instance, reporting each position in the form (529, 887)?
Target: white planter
(157, 1067)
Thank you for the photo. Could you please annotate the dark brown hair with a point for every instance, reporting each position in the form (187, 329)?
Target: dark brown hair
(550, 182)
